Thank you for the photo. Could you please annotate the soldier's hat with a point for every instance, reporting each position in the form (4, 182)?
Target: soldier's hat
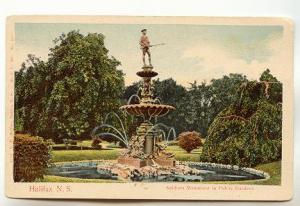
(143, 30)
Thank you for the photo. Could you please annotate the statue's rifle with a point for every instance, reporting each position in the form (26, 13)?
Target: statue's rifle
(153, 45)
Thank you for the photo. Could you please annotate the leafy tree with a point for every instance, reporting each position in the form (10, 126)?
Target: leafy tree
(196, 106)
(189, 140)
(248, 132)
(223, 92)
(205, 101)
(131, 90)
(271, 83)
(70, 93)
(171, 93)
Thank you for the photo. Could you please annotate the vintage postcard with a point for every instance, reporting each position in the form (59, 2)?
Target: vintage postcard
(117, 107)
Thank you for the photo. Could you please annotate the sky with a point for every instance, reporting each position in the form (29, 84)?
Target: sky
(191, 52)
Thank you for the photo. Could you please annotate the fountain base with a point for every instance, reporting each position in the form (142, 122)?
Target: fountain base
(165, 162)
(138, 163)
(135, 162)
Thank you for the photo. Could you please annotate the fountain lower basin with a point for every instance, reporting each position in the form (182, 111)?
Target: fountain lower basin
(183, 171)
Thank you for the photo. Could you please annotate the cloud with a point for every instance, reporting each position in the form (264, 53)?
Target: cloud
(191, 52)
(215, 60)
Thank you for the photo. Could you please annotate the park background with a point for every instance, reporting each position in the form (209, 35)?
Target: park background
(75, 74)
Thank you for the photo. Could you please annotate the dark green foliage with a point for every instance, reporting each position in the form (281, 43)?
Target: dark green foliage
(73, 142)
(197, 106)
(70, 93)
(108, 138)
(31, 157)
(131, 90)
(189, 141)
(169, 92)
(69, 142)
(248, 132)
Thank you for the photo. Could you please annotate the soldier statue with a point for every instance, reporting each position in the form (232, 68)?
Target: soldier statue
(145, 46)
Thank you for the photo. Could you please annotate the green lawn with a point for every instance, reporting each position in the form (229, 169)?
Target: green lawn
(88, 143)
(113, 153)
(109, 152)
(273, 169)
(182, 155)
(78, 155)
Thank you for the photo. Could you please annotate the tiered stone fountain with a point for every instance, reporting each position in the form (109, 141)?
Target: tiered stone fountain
(143, 148)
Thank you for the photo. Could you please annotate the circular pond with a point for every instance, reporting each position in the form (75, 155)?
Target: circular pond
(197, 171)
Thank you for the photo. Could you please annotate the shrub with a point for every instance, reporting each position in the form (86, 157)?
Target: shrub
(189, 140)
(69, 142)
(73, 142)
(96, 143)
(31, 157)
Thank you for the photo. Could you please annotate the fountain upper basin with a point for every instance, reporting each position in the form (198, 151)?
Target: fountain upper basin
(146, 73)
(147, 109)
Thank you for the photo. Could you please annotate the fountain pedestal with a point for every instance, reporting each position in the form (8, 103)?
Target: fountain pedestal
(143, 148)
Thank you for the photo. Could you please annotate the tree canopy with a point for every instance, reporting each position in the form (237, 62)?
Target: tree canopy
(197, 105)
(70, 93)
